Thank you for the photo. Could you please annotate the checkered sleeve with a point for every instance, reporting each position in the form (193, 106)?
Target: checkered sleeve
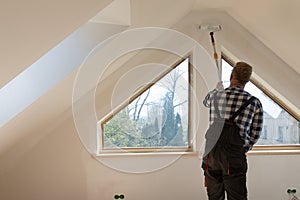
(256, 126)
(207, 99)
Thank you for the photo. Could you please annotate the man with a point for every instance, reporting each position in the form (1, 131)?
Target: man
(231, 135)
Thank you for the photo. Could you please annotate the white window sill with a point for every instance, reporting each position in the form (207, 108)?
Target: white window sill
(111, 154)
(274, 152)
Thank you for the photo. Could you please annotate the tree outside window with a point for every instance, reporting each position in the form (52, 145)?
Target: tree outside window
(157, 118)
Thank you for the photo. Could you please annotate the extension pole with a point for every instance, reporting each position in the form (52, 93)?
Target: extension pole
(215, 54)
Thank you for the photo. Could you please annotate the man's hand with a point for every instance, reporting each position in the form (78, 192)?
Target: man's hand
(220, 85)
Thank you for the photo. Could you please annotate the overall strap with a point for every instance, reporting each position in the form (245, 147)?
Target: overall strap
(241, 108)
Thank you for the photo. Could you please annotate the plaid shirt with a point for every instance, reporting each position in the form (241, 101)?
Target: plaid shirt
(250, 120)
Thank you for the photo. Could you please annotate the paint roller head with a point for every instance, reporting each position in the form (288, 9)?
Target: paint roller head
(210, 27)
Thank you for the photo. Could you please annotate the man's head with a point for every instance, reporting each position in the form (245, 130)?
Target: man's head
(241, 74)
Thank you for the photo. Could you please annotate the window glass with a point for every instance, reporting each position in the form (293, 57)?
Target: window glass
(280, 128)
(157, 118)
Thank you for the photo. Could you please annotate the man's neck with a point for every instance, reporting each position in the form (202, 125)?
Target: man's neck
(237, 84)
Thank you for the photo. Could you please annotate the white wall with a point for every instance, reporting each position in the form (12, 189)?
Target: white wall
(58, 167)
(270, 176)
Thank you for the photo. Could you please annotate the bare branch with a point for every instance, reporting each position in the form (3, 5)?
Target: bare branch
(180, 103)
(138, 116)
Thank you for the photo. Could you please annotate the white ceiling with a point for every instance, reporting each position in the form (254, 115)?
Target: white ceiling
(275, 23)
(30, 28)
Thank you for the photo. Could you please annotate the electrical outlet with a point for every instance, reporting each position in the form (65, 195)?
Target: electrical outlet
(292, 192)
(119, 196)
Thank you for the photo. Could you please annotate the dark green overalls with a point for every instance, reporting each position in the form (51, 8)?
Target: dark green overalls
(225, 162)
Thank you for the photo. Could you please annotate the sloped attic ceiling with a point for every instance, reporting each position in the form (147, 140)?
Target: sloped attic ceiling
(275, 23)
(29, 29)
(56, 19)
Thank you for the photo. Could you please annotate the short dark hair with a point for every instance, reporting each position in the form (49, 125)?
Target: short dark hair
(242, 72)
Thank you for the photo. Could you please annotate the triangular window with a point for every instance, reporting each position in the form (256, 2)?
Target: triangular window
(157, 119)
(281, 128)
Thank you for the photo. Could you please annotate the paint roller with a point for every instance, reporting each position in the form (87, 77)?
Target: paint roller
(212, 29)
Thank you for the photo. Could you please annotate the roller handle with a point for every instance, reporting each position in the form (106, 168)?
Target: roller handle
(212, 37)
(215, 54)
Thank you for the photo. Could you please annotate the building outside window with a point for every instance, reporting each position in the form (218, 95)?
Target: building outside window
(264, 134)
(275, 117)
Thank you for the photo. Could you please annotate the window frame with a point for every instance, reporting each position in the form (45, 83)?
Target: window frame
(267, 149)
(123, 150)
